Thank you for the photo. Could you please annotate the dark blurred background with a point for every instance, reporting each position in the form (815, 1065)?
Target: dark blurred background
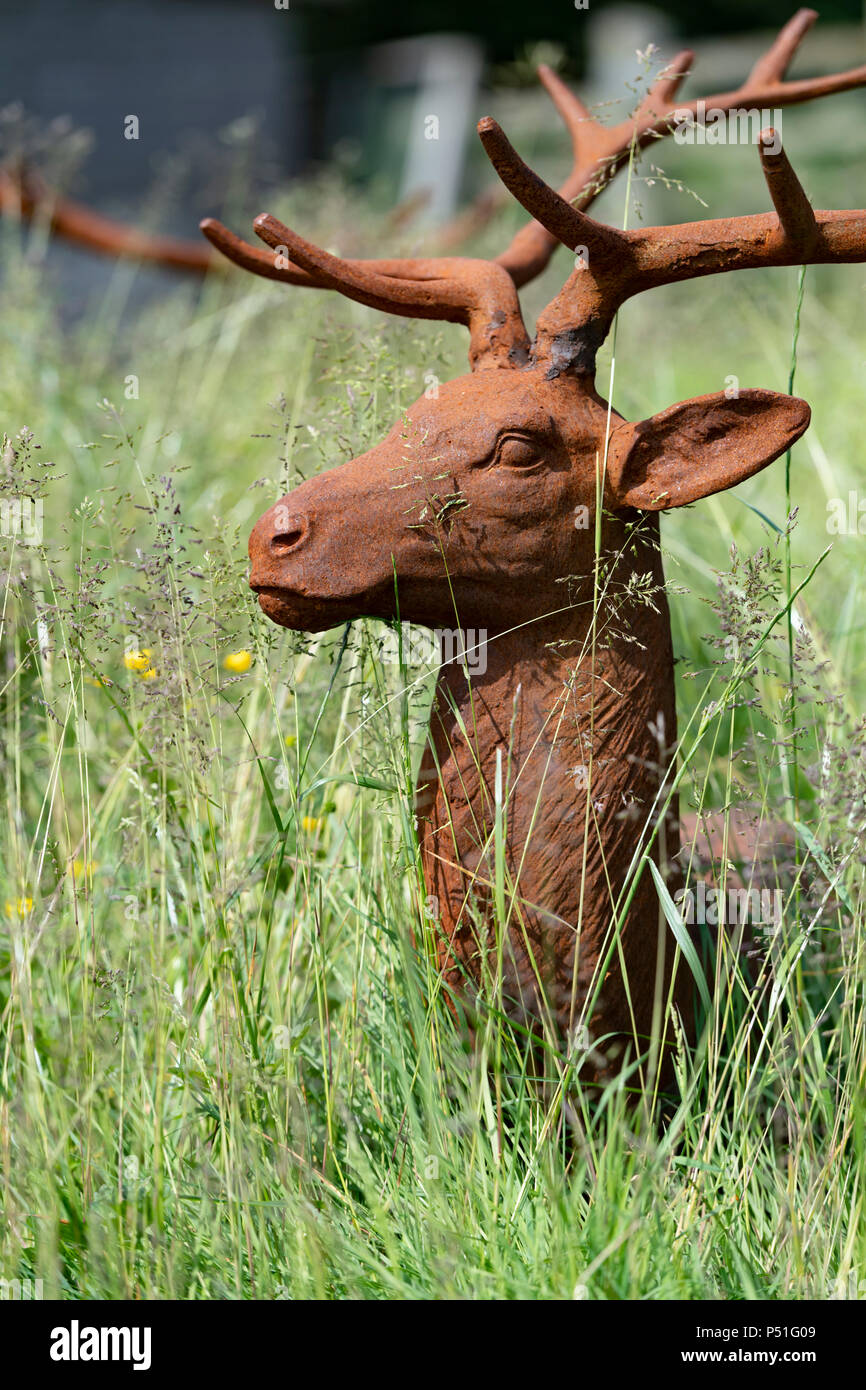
(349, 81)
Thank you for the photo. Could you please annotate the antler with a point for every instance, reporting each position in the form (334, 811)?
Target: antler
(477, 293)
(483, 294)
(26, 196)
(599, 151)
(619, 264)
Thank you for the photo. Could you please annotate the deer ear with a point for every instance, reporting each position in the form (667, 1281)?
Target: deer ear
(699, 447)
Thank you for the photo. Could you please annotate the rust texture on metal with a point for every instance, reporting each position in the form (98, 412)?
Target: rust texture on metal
(473, 513)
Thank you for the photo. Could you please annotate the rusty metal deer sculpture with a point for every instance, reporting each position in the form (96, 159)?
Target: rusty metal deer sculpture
(465, 515)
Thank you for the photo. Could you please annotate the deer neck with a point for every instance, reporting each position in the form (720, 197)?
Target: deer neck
(580, 687)
(567, 717)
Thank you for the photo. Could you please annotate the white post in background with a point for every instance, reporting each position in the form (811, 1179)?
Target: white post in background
(445, 71)
(614, 36)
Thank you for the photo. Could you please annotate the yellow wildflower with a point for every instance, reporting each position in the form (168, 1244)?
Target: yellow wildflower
(238, 662)
(137, 660)
(19, 907)
(311, 824)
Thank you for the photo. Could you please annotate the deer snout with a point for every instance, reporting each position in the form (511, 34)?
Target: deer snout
(288, 534)
(278, 534)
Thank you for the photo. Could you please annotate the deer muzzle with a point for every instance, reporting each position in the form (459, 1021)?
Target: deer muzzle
(306, 576)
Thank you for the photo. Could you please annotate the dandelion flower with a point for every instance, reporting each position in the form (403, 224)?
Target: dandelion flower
(238, 662)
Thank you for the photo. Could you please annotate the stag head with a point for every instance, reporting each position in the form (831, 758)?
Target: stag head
(475, 492)
(478, 503)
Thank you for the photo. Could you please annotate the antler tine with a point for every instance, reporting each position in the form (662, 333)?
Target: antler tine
(793, 208)
(253, 258)
(562, 221)
(433, 297)
(772, 65)
(530, 249)
(597, 153)
(27, 197)
(588, 135)
(659, 100)
(281, 268)
(476, 293)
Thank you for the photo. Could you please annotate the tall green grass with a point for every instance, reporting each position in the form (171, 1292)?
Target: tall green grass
(227, 1070)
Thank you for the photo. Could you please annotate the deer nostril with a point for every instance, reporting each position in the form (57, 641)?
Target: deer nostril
(286, 540)
(290, 535)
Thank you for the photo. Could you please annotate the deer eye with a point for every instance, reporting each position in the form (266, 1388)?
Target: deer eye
(514, 451)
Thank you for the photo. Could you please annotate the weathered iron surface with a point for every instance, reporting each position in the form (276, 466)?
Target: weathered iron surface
(481, 509)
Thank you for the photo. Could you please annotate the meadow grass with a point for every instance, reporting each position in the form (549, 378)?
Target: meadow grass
(227, 1071)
